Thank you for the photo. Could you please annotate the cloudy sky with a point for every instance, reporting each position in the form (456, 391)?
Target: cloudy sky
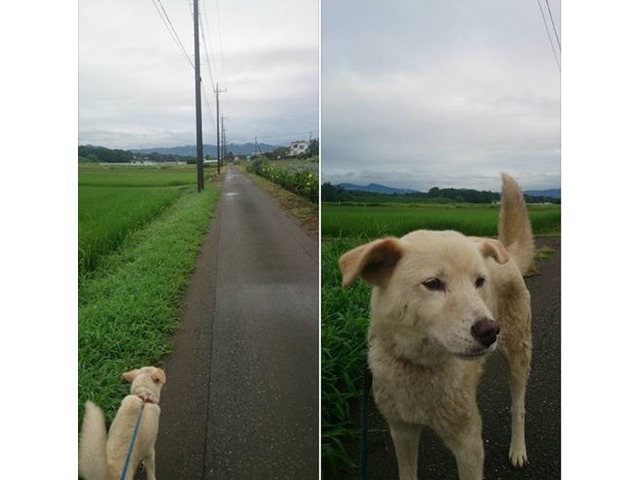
(136, 86)
(421, 94)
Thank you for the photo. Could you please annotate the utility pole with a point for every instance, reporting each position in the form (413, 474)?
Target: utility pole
(217, 91)
(224, 137)
(196, 41)
(257, 147)
(222, 134)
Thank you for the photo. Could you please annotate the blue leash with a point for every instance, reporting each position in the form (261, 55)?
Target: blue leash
(133, 440)
(364, 408)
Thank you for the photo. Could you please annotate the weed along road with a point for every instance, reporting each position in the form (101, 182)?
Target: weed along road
(241, 400)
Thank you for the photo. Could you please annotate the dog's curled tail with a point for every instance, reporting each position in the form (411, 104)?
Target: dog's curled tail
(514, 228)
(92, 457)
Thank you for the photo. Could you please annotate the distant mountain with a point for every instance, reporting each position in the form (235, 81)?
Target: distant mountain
(376, 188)
(551, 192)
(211, 150)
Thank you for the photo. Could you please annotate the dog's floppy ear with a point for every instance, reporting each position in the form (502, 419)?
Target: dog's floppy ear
(373, 261)
(130, 376)
(159, 376)
(494, 249)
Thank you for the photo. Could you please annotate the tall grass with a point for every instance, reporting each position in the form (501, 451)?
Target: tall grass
(129, 308)
(344, 325)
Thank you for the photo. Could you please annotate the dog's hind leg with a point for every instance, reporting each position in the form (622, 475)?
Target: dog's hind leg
(518, 358)
(518, 376)
(406, 439)
(150, 465)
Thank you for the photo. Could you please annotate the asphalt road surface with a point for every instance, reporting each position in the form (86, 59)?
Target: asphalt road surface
(241, 400)
(542, 403)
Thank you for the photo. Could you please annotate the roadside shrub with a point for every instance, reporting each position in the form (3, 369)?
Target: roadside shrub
(303, 183)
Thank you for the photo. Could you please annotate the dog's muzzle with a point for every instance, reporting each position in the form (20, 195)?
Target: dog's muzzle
(485, 331)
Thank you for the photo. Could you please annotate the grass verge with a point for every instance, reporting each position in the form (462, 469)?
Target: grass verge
(129, 308)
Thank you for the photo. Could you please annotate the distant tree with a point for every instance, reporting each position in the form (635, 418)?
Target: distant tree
(314, 147)
(105, 155)
(434, 192)
(280, 152)
(333, 193)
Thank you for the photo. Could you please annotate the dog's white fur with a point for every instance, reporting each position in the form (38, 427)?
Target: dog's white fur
(102, 456)
(429, 290)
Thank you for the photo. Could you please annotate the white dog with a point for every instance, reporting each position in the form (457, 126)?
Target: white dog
(440, 302)
(103, 457)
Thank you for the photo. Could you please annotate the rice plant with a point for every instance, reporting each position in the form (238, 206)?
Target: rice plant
(107, 215)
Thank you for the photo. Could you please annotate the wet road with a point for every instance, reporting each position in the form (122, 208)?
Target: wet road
(241, 401)
(542, 403)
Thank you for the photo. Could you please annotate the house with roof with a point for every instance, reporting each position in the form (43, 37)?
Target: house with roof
(298, 147)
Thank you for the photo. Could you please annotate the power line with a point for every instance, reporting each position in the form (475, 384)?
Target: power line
(554, 25)
(172, 31)
(208, 55)
(206, 99)
(209, 58)
(548, 34)
(207, 40)
(224, 75)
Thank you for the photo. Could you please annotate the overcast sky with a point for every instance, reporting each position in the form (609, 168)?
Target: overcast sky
(137, 88)
(434, 93)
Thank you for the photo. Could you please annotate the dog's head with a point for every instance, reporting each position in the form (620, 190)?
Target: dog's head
(432, 291)
(146, 382)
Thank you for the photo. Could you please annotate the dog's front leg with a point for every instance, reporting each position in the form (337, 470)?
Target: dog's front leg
(470, 458)
(465, 442)
(406, 439)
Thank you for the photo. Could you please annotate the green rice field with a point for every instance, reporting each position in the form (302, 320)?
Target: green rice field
(398, 219)
(137, 176)
(114, 201)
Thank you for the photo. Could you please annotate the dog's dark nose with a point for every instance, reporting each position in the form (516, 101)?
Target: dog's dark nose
(485, 331)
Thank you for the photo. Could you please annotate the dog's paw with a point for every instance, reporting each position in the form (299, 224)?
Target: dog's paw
(518, 456)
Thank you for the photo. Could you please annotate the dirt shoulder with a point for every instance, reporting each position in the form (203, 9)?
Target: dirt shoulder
(302, 211)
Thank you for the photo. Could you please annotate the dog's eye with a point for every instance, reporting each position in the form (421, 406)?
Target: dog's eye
(434, 284)
(480, 281)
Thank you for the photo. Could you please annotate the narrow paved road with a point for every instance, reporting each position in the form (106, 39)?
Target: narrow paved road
(543, 402)
(241, 400)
